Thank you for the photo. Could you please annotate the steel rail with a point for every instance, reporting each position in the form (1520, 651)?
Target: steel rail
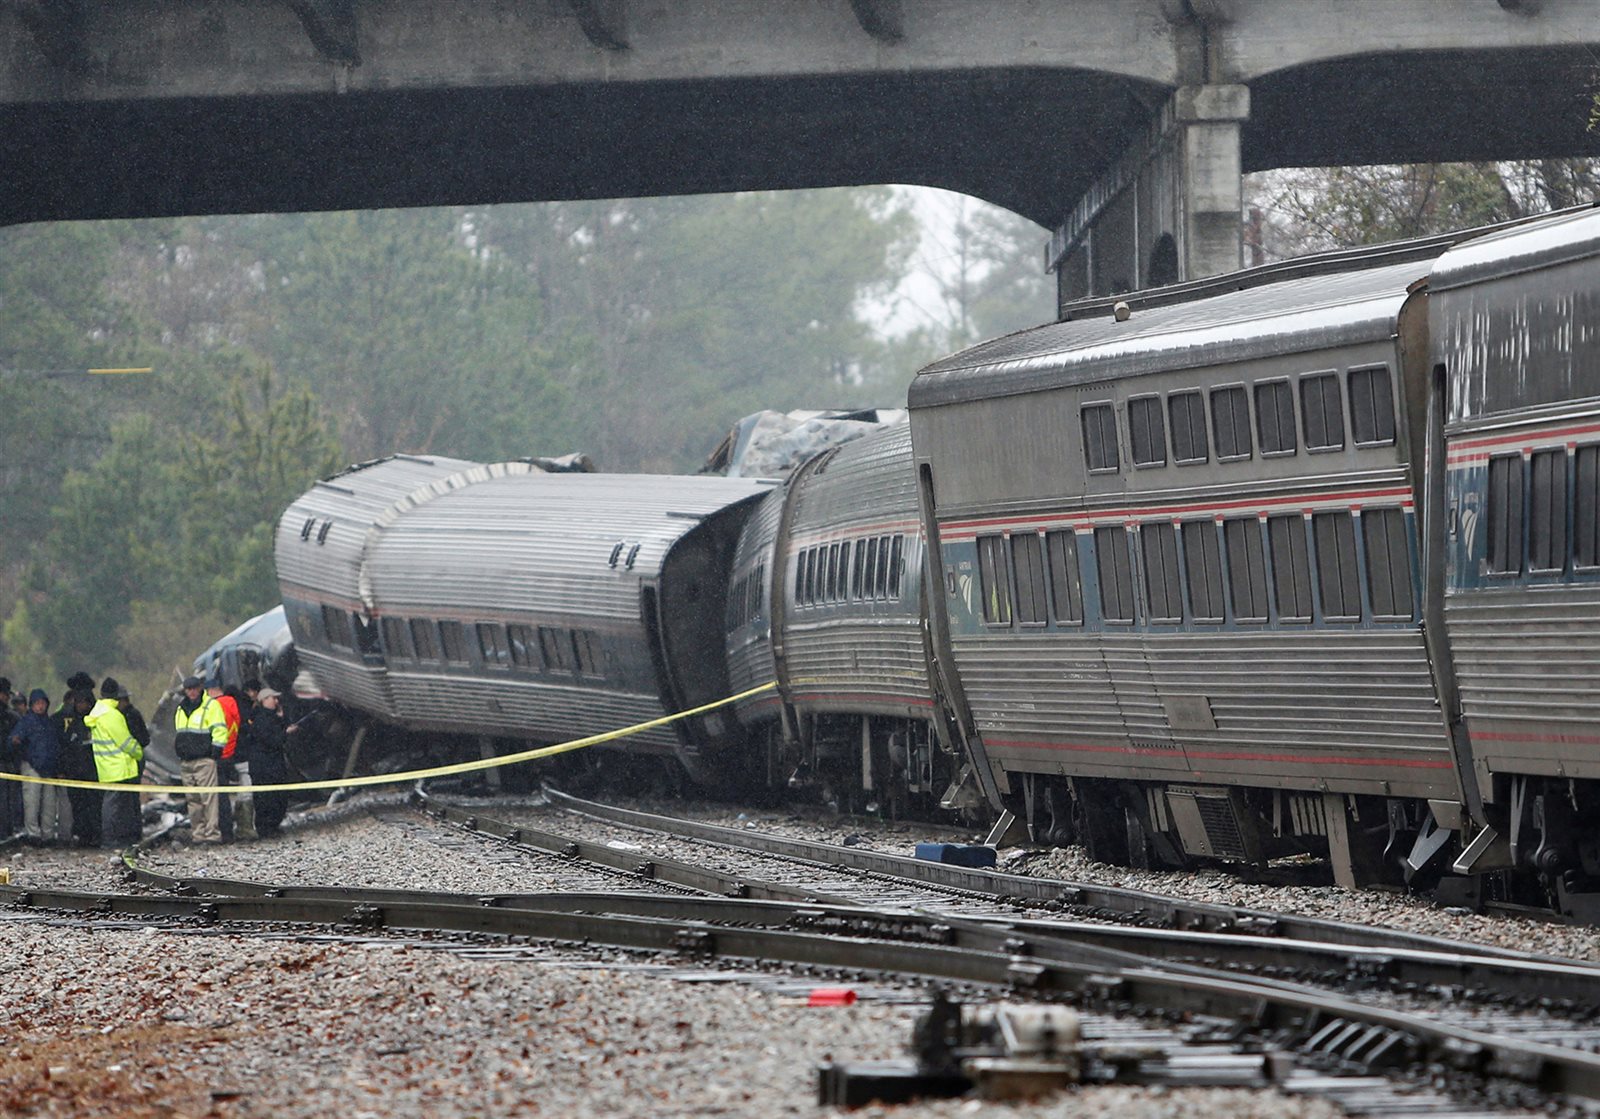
(1080, 897)
(1550, 984)
(674, 872)
(1320, 1023)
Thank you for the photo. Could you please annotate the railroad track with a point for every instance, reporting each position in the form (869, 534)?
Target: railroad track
(1358, 1009)
(1249, 1017)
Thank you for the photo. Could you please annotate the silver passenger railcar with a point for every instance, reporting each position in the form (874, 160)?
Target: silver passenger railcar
(320, 551)
(1516, 351)
(506, 602)
(1180, 567)
(828, 600)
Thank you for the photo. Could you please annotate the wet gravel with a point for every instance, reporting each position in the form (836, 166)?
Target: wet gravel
(127, 1020)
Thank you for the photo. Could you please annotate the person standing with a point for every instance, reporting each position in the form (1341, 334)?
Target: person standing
(202, 734)
(244, 808)
(117, 756)
(10, 791)
(39, 747)
(265, 732)
(225, 771)
(77, 764)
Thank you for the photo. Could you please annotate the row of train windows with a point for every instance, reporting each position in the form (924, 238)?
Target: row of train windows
(850, 571)
(1534, 500)
(1029, 579)
(1321, 413)
(536, 648)
(744, 597)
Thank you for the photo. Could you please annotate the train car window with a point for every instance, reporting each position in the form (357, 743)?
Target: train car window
(524, 654)
(453, 642)
(1160, 544)
(857, 590)
(1187, 410)
(492, 645)
(1099, 438)
(586, 652)
(1338, 577)
(1027, 561)
(1388, 563)
(880, 581)
(1547, 510)
(1066, 581)
(992, 581)
(336, 623)
(1586, 508)
(1505, 514)
(1247, 568)
(556, 646)
(1291, 567)
(394, 639)
(753, 587)
(1371, 406)
(1275, 418)
(1202, 561)
(812, 556)
(830, 573)
(844, 570)
(1230, 423)
(1114, 564)
(1322, 411)
(730, 617)
(897, 563)
(869, 590)
(1147, 437)
(422, 640)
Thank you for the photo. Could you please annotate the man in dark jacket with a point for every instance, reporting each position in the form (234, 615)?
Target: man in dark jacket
(77, 764)
(264, 734)
(38, 747)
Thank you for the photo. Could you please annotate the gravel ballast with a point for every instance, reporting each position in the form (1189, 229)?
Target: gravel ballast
(137, 1021)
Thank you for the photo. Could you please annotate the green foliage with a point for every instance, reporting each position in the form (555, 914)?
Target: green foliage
(674, 316)
(28, 664)
(141, 511)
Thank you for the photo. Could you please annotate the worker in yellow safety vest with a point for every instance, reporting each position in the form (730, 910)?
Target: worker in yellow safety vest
(202, 734)
(117, 757)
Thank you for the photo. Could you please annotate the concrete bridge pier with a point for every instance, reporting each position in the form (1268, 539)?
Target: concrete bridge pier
(1168, 209)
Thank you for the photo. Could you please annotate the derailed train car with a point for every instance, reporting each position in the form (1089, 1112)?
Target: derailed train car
(828, 601)
(1192, 557)
(1303, 559)
(505, 602)
(1515, 328)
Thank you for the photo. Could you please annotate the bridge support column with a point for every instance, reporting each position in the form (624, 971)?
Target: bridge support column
(1168, 210)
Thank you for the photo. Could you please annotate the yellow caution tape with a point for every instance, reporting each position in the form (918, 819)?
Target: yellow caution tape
(399, 778)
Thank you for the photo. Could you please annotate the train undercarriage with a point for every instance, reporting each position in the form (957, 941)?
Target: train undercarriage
(1541, 847)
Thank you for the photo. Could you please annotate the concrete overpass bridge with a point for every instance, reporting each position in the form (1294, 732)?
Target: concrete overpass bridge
(1120, 125)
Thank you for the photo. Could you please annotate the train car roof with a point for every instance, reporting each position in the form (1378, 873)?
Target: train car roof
(543, 540)
(1525, 247)
(376, 485)
(1290, 316)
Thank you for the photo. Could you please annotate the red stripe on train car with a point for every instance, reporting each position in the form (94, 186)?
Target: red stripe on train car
(1220, 755)
(1354, 499)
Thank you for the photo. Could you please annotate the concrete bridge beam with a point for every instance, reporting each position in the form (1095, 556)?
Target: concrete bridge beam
(1168, 209)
